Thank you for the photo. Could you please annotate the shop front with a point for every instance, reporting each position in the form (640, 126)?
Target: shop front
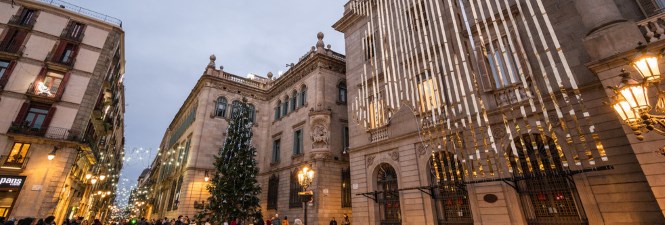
(10, 188)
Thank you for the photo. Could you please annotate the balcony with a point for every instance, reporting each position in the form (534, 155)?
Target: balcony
(15, 163)
(20, 21)
(13, 50)
(59, 62)
(42, 92)
(510, 95)
(54, 133)
(653, 27)
(73, 33)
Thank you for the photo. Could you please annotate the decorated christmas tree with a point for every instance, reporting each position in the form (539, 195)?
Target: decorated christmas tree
(233, 188)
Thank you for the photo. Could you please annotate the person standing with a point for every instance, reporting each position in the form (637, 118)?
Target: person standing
(346, 220)
(297, 221)
(285, 221)
(333, 221)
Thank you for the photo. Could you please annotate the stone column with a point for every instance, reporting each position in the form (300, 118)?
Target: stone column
(609, 32)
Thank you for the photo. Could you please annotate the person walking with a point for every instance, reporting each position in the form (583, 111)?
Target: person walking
(346, 220)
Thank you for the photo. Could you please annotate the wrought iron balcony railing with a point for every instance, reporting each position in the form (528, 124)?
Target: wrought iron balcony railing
(13, 49)
(55, 133)
(59, 59)
(43, 92)
(19, 20)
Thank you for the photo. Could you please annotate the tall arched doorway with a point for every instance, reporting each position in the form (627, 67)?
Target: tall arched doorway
(451, 199)
(388, 197)
(548, 195)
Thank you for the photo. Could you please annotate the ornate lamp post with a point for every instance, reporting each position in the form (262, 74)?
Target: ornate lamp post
(632, 97)
(305, 177)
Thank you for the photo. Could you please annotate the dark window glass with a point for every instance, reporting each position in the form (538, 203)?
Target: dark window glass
(275, 151)
(346, 188)
(294, 199)
(235, 108)
(388, 199)
(36, 116)
(220, 110)
(345, 138)
(451, 199)
(273, 191)
(297, 142)
(27, 16)
(252, 113)
(303, 96)
(278, 110)
(341, 96)
(293, 101)
(285, 106)
(4, 65)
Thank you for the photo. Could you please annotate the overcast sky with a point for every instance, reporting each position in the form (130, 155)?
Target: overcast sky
(168, 43)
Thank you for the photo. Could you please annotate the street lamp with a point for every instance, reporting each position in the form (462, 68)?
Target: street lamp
(632, 97)
(51, 155)
(305, 177)
(206, 177)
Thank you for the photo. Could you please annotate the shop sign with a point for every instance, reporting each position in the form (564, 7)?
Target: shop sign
(11, 181)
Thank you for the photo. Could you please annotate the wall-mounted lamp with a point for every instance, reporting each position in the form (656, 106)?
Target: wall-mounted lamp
(51, 155)
(206, 177)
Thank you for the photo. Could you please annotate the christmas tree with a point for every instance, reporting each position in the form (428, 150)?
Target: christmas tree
(234, 190)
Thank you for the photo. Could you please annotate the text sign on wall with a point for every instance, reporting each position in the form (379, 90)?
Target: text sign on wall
(11, 181)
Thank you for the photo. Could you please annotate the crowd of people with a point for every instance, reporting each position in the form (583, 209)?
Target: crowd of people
(49, 220)
(185, 220)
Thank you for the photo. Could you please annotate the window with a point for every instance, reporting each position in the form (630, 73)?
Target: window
(346, 188)
(451, 199)
(252, 113)
(74, 30)
(294, 198)
(303, 96)
(275, 151)
(388, 199)
(17, 155)
(341, 92)
(545, 199)
(220, 110)
(50, 84)
(376, 115)
(278, 110)
(27, 16)
(297, 142)
(418, 16)
(345, 138)
(368, 46)
(285, 106)
(6, 68)
(428, 92)
(502, 66)
(273, 191)
(13, 40)
(65, 53)
(293, 101)
(651, 7)
(36, 116)
(235, 108)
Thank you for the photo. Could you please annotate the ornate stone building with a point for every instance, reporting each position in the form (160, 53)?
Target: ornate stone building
(300, 120)
(61, 109)
(492, 112)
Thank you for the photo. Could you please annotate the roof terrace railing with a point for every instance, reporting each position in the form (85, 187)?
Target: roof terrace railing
(84, 11)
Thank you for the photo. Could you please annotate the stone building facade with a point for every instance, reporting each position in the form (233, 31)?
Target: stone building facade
(300, 120)
(61, 109)
(492, 112)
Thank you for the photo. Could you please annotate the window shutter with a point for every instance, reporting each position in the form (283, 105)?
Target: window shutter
(18, 41)
(62, 86)
(22, 113)
(48, 118)
(8, 72)
(58, 51)
(8, 37)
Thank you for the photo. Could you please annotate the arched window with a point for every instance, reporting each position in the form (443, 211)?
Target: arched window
(547, 195)
(278, 110)
(294, 199)
(285, 106)
(451, 199)
(252, 113)
(303, 96)
(341, 92)
(294, 96)
(235, 108)
(388, 198)
(220, 110)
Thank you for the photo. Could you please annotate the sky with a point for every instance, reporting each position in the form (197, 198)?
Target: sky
(168, 44)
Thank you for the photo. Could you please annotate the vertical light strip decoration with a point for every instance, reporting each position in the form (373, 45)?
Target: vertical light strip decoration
(470, 70)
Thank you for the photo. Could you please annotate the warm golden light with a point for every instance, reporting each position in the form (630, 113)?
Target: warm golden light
(93, 180)
(102, 177)
(50, 157)
(623, 109)
(99, 192)
(206, 178)
(88, 176)
(647, 67)
(634, 93)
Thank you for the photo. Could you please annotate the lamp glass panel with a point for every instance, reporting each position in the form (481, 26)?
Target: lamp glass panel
(625, 112)
(648, 67)
(636, 96)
